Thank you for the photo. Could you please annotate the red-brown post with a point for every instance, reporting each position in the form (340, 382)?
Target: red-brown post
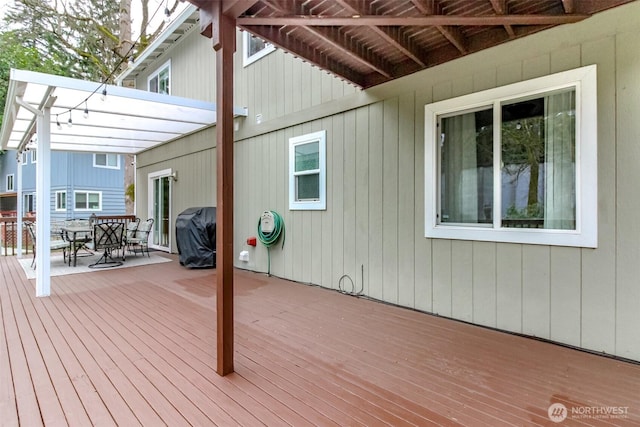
(224, 39)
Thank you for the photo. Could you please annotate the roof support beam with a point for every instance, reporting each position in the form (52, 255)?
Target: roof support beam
(500, 7)
(453, 34)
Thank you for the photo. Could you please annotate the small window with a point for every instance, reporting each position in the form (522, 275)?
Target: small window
(29, 204)
(11, 182)
(307, 172)
(254, 48)
(24, 158)
(516, 163)
(88, 200)
(34, 156)
(61, 200)
(110, 161)
(159, 81)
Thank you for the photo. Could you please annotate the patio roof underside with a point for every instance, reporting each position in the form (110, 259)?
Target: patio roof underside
(126, 121)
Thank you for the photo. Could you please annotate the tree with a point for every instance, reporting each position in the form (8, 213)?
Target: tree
(86, 39)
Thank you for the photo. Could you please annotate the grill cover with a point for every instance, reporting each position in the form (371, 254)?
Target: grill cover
(196, 237)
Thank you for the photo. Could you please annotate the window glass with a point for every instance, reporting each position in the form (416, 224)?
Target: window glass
(85, 200)
(10, 183)
(466, 159)
(254, 48)
(159, 81)
(307, 169)
(106, 160)
(516, 163)
(538, 162)
(61, 200)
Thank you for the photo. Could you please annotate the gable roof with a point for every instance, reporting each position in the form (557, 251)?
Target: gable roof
(375, 41)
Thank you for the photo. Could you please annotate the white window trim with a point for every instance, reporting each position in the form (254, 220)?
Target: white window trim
(55, 201)
(34, 156)
(87, 192)
(95, 165)
(248, 60)
(24, 158)
(157, 72)
(11, 187)
(584, 80)
(321, 204)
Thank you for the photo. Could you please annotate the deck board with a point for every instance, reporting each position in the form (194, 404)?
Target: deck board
(136, 346)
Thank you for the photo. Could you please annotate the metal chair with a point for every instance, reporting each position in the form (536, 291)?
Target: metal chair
(141, 238)
(56, 243)
(107, 237)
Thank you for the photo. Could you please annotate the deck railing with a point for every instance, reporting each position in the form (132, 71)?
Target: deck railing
(9, 232)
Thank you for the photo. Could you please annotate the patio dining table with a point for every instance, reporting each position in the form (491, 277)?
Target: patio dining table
(76, 235)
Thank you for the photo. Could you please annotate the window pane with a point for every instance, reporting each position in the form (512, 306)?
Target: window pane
(112, 160)
(256, 45)
(81, 200)
(308, 187)
(307, 156)
(61, 201)
(101, 159)
(163, 83)
(466, 174)
(153, 84)
(94, 201)
(538, 162)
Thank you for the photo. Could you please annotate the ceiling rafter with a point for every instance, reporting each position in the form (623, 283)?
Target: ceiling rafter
(500, 7)
(307, 53)
(394, 37)
(338, 40)
(368, 42)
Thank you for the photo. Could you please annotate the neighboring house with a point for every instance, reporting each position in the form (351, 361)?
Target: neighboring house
(81, 183)
(366, 180)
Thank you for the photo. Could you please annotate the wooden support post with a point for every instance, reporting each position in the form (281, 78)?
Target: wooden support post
(224, 39)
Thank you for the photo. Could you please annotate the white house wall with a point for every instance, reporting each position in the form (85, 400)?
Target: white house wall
(373, 227)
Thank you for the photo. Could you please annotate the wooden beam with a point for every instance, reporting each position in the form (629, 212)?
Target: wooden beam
(391, 37)
(417, 21)
(500, 7)
(224, 39)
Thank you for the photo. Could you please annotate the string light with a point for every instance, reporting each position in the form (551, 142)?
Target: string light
(167, 13)
(104, 94)
(58, 125)
(86, 110)
(69, 122)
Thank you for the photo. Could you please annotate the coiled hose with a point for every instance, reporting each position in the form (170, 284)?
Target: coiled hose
(271, 238)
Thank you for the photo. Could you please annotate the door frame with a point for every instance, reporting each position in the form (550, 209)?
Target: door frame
(151, 177)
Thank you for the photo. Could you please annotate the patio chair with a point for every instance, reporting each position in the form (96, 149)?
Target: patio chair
(56, 243)
(141, 238)
(130, 231)
(107, 237)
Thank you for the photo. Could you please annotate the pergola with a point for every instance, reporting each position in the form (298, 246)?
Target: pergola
(60, 113)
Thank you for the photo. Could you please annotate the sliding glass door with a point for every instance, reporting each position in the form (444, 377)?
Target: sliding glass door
(160, 209)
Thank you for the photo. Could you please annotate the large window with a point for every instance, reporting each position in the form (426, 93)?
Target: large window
(516, 163)
(254, 48)
(159, 81)
(110, 161)
(307, 172)
(61, 200)
(87, 200)
(11, 182)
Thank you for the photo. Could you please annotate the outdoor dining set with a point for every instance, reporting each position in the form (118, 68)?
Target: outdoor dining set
(111, 239)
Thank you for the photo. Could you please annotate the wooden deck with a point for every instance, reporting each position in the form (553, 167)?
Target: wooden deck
(136, 346)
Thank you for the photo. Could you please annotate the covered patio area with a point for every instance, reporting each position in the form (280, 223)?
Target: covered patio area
(137, 347)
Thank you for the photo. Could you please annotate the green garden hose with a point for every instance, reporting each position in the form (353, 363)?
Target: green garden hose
(271, 238)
